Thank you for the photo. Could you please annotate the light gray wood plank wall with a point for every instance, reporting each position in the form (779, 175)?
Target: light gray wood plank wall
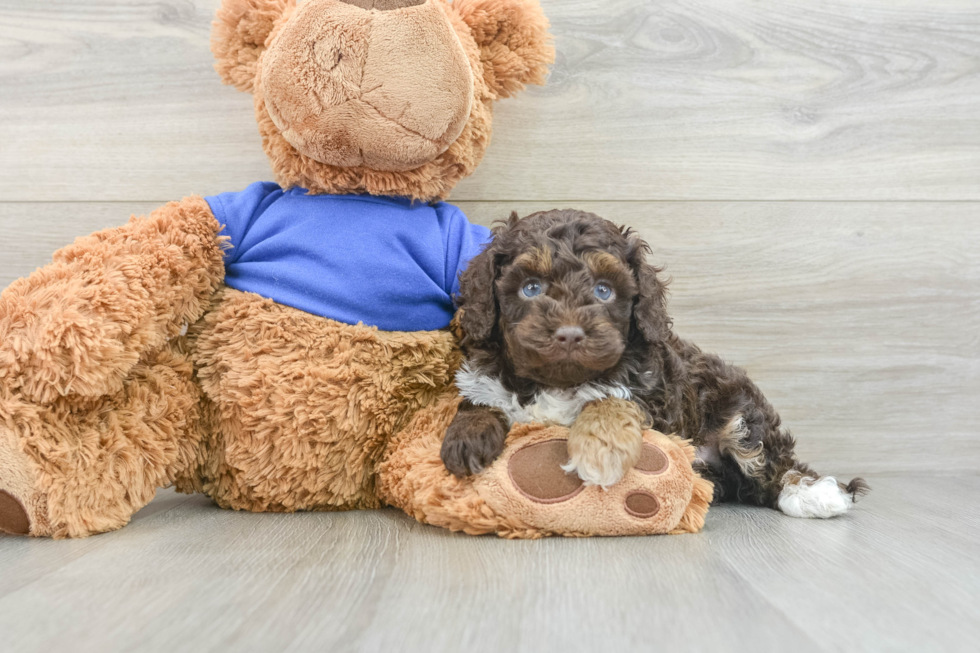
(671, 99)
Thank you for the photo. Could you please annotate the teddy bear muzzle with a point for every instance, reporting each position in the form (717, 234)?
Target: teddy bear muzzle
(378, 83)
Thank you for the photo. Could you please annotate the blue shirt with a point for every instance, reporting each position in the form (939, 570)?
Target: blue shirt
(384, 261)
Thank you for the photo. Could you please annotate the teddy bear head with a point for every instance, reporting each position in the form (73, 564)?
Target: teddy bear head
(387, 97)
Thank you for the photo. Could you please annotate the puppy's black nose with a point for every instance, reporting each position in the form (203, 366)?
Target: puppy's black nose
(569, 335)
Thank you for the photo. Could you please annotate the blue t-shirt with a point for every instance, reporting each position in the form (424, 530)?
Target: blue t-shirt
(384, 261)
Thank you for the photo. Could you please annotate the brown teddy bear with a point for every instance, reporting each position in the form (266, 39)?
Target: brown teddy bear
(265, 347)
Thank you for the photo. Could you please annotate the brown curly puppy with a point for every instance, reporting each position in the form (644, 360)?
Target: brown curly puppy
(564, 321)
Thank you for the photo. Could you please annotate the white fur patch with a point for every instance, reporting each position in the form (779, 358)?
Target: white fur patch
(814, 498)
(550, 405)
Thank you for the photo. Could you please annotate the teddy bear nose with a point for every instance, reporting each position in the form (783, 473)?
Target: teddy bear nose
(383, 5)
(570, 336)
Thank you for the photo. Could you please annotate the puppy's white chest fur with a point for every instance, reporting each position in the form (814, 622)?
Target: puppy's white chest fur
(549, 406)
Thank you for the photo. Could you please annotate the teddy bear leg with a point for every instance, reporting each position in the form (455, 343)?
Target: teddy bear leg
(304, 406)
(78, 325)
(80, 466)
(23, 510)
(91, 378)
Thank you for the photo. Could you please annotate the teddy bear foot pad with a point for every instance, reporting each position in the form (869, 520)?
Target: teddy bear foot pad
(535, 471)
(13, 517)
(528, 482)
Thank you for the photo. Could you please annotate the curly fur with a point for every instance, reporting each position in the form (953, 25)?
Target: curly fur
(98, 460)
(679, 389)
(300, 423)
(261, 406)
(515, 47)
(238, 37)
(79, 325)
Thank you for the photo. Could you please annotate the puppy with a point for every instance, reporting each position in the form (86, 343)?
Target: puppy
(563, 321)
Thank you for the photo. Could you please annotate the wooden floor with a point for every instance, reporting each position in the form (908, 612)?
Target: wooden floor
(900, 573)
(808, 170)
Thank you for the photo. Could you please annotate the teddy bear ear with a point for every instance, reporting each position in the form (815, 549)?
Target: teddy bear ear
(514, 42)
(238, 36)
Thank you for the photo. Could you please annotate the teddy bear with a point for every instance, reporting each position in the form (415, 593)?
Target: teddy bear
(285, 347)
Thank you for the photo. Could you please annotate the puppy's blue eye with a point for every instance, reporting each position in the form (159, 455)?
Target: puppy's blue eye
(531, 289)
(603, 292)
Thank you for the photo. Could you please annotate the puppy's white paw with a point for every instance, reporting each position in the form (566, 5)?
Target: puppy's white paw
(600, 463)
(810, 498)
(605, 441)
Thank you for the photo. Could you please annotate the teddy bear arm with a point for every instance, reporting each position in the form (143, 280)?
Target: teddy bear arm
(78, 325)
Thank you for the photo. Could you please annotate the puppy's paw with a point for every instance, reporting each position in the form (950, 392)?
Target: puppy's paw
(601, 462)
(821, 497)
(473, 441)
(605, 441)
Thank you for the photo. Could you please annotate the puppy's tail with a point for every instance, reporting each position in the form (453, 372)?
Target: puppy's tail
(858, 487)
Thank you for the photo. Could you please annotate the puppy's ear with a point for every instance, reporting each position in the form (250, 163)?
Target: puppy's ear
(650, 308)
(238, 36)
(515, 46)
(478, 297)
